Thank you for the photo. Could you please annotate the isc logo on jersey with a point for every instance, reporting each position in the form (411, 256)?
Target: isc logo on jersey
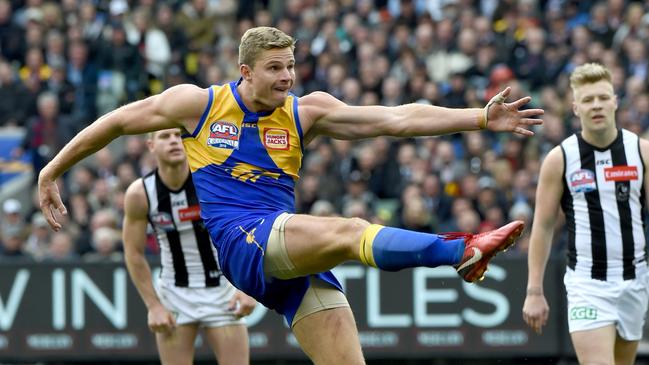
(582, 181)
(223, 135)
(276, 138)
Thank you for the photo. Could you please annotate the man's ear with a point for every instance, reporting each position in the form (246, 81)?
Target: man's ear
(246, 72)
(574, 109)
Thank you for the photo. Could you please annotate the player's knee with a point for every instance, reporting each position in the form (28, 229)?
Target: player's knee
(349, 234)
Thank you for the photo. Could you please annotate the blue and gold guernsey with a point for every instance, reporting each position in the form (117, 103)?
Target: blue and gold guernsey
(244, 166)
(245, 163)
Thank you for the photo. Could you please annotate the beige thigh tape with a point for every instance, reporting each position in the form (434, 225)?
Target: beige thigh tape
(320, 295)
(276, 260)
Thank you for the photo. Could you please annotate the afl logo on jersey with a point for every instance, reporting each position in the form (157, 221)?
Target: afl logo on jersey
(223, 135)
(163, 221)
(276, 138)
(582, 181)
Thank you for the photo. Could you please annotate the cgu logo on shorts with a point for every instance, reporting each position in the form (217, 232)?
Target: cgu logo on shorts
(578, 313)
(582, 181)
(276, 138)
(224, 135)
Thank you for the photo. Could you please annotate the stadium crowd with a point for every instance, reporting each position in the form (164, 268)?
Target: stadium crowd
(64, 63)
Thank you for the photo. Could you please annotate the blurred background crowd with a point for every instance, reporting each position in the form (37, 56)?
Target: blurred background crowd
(64, 63)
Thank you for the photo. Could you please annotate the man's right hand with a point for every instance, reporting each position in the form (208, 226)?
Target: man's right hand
(50, 201)
(160, 319)
(536, 311)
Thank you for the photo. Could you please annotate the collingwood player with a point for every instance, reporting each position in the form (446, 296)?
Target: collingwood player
(191, 292)
(601, 186)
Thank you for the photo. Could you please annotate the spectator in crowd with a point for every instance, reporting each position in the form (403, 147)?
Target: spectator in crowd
(121, 74)
(105, 243)
(82, 74)
(12, 248)
(61, 248)
(47, 132)
(13, 221)
(16, 103)
(37, 244)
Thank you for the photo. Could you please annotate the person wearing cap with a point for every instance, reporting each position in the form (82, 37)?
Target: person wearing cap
(13, 221)
(37, 244)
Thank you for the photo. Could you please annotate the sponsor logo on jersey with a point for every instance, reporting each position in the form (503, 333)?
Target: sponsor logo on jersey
(276, 138)
(585, 312)
(582, 181)
(192, 213)
(621, 173)
(163, 221)
(223, 135)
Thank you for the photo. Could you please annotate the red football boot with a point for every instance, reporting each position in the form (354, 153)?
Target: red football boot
(480, 248)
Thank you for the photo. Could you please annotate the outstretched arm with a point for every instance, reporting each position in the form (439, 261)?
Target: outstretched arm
(134, 237)
(180, 106)
(548, 196)
(321, 113)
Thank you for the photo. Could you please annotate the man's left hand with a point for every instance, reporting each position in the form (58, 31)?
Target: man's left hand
(508, 117)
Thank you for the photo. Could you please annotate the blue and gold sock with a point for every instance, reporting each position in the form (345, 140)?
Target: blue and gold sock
(393, 249)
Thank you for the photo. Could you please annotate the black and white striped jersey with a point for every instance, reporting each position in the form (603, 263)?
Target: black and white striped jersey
(603, 200)
(187, 254)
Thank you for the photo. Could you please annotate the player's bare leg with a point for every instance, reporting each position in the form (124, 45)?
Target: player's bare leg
(229, 343)
(316, 244)
(330, 337)
(595, 346)
(176, 347)
(625, 351)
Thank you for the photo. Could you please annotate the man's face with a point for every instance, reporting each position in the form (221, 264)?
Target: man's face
(595, 105)
(272, 76)
(166, 145)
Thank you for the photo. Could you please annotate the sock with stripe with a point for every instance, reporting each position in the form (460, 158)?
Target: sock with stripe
(393, 249)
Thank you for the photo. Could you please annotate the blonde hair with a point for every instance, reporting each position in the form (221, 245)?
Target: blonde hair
(150, 135)
(256, 40)
(589, 73)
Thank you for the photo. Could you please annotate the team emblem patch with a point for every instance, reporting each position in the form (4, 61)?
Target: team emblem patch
(163, 221)
(621, 173)
(224, 135)
(582, 181)
(622, 192)
(276, 138)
